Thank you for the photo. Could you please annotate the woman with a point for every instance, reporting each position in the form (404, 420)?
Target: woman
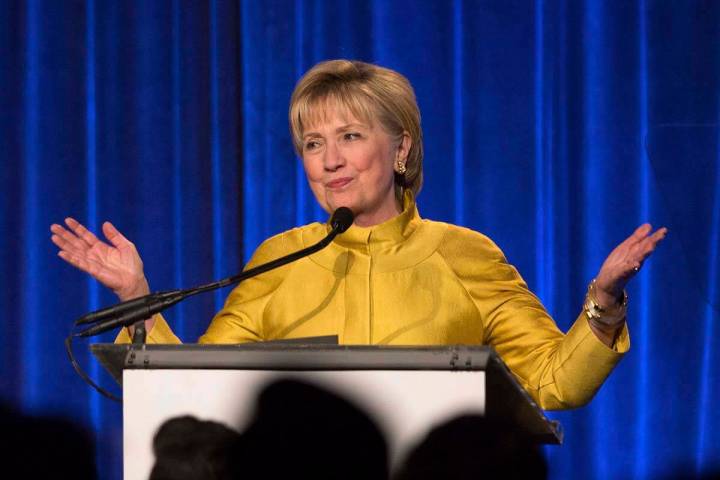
(392, 278)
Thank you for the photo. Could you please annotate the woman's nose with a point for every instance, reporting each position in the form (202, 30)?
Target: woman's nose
(333, 157)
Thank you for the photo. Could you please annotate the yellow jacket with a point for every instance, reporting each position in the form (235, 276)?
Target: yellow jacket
(411, 281)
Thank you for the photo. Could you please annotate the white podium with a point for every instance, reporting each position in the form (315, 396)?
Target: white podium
(405, 391)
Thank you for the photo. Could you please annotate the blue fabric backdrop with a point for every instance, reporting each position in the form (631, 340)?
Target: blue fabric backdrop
(555, 127)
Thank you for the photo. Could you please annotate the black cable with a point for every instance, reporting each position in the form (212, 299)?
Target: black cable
(85, 376)
(139, 309)
(145, 307)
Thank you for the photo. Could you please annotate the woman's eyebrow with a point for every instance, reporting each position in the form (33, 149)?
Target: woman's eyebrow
(340, 129)
(350, 126)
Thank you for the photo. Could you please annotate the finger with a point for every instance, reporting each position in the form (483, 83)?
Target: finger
(650, 243)
(659, 234)
(92, 268)
(640, 233)
(86, 235)
(644, 254)
(643, 250)
(85, 264)
(114, 236)
(71, 249)
(55, 228)
(639, 242)
(63, 244)
(69, 237)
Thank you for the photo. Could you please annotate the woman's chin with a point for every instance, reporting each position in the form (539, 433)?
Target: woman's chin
(337, 200)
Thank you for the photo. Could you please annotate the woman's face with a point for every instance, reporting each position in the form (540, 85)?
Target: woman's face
(350, 164)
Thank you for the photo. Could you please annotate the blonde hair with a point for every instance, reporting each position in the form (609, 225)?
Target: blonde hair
(369, 92)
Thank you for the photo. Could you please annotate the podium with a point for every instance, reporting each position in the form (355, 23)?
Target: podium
(406, 391)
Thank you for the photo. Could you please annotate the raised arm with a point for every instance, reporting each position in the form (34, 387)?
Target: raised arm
(116, 264)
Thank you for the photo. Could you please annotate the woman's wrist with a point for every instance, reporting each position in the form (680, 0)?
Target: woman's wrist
(141, 288)
(608, 301)
(605, 310)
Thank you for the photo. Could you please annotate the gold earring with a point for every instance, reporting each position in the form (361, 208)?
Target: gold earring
(400, 167)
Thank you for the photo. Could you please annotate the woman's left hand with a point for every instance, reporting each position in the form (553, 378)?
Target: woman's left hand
(624, 262)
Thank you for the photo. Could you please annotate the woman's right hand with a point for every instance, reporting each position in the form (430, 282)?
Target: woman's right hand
(116, 265)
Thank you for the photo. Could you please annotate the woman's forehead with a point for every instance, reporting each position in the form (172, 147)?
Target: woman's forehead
(329, 109)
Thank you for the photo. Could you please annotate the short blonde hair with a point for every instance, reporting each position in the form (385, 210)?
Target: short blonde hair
(369, 92)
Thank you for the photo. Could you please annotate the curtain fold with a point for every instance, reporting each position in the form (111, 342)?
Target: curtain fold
(555, 127)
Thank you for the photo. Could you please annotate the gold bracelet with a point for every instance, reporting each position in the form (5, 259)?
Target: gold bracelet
(610, 317)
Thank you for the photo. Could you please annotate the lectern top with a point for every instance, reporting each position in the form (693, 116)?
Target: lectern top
(292, 356)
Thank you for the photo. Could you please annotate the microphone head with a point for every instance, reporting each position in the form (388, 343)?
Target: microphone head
(341, 219)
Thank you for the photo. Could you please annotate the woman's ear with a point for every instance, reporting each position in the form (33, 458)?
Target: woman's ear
(403, 147)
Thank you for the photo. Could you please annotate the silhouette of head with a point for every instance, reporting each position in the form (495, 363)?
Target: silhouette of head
(188, 448)
(301, 429)
(474, 447)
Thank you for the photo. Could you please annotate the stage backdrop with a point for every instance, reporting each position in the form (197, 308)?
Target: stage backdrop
(555, 127)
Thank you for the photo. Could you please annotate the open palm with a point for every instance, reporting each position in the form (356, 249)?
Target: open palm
(116, 265)
(625, 261)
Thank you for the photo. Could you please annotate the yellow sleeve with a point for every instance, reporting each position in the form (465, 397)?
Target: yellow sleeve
(160, 333)
(559, 371)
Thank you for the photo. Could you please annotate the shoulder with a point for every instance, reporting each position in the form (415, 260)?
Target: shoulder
(471, 254)
(285, 242)
(461, 242)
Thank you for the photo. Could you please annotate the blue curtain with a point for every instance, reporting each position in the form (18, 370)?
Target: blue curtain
(555, 127)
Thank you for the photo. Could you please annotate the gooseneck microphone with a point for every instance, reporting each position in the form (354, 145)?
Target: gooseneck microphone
(138, 309)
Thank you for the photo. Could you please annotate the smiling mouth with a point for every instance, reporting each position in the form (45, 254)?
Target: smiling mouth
(338, 183)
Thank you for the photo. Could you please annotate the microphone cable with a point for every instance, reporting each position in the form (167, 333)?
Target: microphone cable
(139, 309)
(85, 376)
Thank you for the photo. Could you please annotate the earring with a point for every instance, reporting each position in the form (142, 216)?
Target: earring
(400, 167)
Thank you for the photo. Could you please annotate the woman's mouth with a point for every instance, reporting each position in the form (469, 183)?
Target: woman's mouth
(338, 183)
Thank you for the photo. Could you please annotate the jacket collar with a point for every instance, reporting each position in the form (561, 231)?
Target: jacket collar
(391, 232)
(401, 242)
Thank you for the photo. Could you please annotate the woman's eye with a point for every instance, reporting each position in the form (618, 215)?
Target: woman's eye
(351, 136)
(311, 145)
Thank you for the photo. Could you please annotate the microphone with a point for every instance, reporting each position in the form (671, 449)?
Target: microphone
(341, 219)
(124, 307)
(132, 311)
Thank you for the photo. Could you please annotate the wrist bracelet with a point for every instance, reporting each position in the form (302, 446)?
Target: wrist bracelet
(606, 316)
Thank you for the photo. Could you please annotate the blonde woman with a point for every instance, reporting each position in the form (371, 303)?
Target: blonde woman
(393, 278)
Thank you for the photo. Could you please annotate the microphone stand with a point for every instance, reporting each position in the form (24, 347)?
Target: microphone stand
(139, 333)
(136, 311)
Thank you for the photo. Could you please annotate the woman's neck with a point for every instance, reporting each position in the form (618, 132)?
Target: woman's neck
(382, 215)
